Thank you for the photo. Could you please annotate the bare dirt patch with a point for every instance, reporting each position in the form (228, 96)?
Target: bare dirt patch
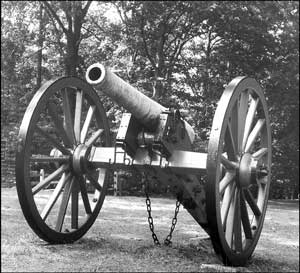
(120, 240)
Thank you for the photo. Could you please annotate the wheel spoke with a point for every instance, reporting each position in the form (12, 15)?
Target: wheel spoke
(263, 180)
(58, 124)
(245, 218)
(230, 145)
(64, 205)
(68, 121)
(94, 137)
(84, 195)
(55, 195)
(237, 224)
(94, 182)
(49, 178)
(44, 158)
(261, 198)
(234, 125)
(242, 113)
(230, 220)
(228, 195)
(52, 140)
(260, 153)
(101, 179)
(74, 205)
(254, 133)
(87, 122)
(77, 119)
(229, 165)
(251, 202)
(96, 196)
(101, 176)
(229, 176)
(249, 120)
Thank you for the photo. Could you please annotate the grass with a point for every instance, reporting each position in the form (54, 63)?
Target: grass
(120, 240)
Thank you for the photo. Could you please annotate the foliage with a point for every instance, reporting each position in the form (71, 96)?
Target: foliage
(182, 53)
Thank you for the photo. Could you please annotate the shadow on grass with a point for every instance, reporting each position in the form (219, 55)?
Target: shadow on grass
(82, 244)
(198, 251)
(284, 204)
(266, 264)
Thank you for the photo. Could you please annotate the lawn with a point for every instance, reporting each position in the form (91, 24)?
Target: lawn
(120, 240)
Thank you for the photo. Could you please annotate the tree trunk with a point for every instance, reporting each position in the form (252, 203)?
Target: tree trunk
(71, 59)
(40, 50)
(157, 84)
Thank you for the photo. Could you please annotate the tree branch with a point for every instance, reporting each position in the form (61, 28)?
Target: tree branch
(97, 25)
(160, 45)
(93, 34)
(79, 18)
(85, 9)
(145, 44)
(216, 41)
(53, 13)
(68, 9)
(124, 20)
(56, 32)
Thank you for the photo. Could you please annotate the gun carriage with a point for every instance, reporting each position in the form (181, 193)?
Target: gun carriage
(65, 131)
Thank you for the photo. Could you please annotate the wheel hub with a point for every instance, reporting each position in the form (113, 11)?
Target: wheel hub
(247, 171)
(79, 159)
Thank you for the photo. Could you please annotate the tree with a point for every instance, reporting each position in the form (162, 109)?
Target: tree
(156, 33)
(70, 22)
(283, 92)
(17, 64)
(180, 53)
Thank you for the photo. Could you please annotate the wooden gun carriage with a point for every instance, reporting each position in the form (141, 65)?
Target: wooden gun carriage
(65, 131)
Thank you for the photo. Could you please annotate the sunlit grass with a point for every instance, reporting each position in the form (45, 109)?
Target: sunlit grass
(120, 240)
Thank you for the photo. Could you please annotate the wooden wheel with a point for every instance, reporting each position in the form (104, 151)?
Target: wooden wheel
(63, 121)
(238, 169)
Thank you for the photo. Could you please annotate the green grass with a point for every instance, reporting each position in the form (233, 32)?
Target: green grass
(120, 240)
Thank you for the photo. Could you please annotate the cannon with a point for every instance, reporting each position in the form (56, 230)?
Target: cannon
(66, 133)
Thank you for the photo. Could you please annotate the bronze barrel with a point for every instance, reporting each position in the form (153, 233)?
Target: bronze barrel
(143, 108)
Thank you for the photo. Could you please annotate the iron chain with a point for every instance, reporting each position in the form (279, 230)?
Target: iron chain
(150, 220)
(151, 224)
(174, 221)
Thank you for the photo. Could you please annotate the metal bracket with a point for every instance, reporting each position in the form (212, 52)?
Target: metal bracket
(121, 145)
(156, 149)
(128, 132)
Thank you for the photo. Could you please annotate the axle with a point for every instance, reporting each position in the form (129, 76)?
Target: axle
(180, 162)
(180, 171)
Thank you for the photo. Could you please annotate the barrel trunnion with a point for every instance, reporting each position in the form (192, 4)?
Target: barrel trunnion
(65, 132)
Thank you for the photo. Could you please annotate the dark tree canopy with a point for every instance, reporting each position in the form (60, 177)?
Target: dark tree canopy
(182, 53)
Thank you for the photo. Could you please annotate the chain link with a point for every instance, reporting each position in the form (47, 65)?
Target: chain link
(150, 220)
(174, 221)
(167, 241)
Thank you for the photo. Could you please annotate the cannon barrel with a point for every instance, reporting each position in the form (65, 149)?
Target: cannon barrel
(143, 108)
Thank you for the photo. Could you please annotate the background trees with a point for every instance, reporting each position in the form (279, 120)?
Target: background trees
(180, 53)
